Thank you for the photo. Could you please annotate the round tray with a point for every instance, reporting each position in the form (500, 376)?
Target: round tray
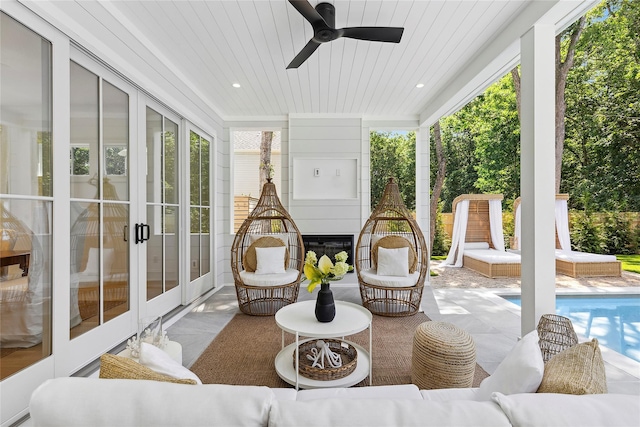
(348, 353)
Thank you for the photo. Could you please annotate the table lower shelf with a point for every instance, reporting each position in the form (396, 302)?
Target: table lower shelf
(286, 369)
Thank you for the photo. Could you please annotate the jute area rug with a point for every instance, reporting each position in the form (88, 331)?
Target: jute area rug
(243, 352)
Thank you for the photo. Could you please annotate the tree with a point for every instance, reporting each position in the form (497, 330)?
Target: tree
(438, 183)
(265, 156)
(602, 152)
(496, 130)
(598, 139)
(459, 147)
(393, 154)
(564, 59)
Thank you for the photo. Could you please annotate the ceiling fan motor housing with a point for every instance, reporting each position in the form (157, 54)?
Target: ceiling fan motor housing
(328, 13)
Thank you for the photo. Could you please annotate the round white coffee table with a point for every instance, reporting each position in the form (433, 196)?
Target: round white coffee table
(299, 319)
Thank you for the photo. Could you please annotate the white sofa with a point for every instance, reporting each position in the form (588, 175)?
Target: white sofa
(115, 402)
(507, 397)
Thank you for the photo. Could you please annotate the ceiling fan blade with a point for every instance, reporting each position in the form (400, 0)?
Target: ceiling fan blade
(374, 34)
(304, 54)
(309, 13)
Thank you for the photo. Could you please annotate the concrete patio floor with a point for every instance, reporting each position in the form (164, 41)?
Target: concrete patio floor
(457, 295)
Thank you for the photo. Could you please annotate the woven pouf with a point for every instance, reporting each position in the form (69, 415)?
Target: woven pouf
(444, 356)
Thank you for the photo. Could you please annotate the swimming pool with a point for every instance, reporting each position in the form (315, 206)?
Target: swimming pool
(613, 319)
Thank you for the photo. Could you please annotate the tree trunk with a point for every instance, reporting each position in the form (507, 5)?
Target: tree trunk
(265, 157)
(562, 70)
(515, 76)
(437, 185)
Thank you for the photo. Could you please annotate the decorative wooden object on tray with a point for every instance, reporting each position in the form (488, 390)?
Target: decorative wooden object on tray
(309, 369)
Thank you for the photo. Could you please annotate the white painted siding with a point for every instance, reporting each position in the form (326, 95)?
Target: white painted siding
(326, 138)
(246, 177)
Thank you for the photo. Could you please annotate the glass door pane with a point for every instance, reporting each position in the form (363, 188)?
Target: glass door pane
(26, 199)
(200, 240)
(162, 204)
(99, 201)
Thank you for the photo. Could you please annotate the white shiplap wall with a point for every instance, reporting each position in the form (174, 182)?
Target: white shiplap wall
(326, 138)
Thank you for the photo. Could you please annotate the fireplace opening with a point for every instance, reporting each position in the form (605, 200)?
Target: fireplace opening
(329, 245)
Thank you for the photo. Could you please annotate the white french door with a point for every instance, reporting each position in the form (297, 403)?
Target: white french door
(102, 130)
(158, 232)
(199, 189)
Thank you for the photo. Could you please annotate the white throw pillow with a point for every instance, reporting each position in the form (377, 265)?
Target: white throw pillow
(520, 372)
(159, 361)
(270, 260)
(393, 262)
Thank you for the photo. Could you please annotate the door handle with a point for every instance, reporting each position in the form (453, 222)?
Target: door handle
(145, 227)
(140, 232)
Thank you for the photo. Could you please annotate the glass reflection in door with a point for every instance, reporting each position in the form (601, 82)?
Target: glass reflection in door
(200, 238)
(99, 257)
(162, 204)
(26, 198)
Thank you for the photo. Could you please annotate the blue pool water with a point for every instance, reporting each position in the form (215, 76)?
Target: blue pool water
(613, 319)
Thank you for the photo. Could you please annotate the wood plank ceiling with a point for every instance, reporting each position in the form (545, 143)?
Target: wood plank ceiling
(213, 44)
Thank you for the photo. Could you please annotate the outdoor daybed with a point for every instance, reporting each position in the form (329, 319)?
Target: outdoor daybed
(569, 262)
(478, 239)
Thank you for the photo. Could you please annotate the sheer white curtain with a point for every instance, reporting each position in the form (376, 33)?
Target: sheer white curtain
(495, 224)
(562, 224)
(518, 228)
(459, 235)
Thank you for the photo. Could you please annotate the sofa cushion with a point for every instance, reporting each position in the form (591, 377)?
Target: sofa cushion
(371, 277)
(159, 361)
(550, 409)
(119, 367)
(520, 372)
(82, 402)
(445, 394)
(404, 391)
(385, 412)
(576, 370)
(252, 279)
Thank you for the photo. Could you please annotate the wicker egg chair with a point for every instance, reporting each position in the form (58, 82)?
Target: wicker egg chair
(392, 221)
(268, 225)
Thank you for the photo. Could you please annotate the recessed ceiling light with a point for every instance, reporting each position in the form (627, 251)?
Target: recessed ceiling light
(419, 85)
(236, 85)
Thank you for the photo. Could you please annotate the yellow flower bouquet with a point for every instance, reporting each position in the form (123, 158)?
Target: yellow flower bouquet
(323, 270)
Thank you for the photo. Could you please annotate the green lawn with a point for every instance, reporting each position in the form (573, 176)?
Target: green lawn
(630, 262)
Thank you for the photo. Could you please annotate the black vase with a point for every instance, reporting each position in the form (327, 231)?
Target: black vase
(325, 307)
